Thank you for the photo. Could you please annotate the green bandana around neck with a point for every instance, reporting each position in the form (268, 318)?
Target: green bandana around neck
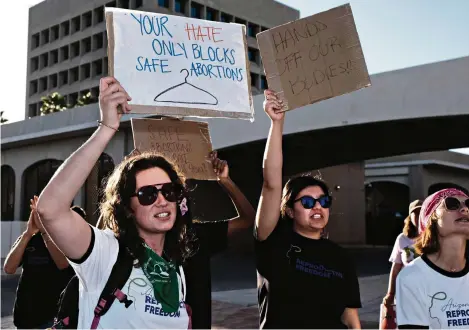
(163, 277)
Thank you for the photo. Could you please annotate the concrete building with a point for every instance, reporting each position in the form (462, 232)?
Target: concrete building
(67, 41)
(408, 116)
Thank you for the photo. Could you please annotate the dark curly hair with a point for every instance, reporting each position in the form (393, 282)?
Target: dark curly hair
(118, 216)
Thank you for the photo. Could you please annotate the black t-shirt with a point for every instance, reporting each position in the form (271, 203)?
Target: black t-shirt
(39, 286)
(305, 283)
(198, 274)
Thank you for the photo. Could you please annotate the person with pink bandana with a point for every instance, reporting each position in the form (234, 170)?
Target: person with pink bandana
(433, 290)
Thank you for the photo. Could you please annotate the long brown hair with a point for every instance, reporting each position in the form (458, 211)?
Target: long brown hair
(410, 230)
(427, 242)
(118, 216)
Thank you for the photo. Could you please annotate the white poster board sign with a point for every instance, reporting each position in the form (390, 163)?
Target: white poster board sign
(175, 65)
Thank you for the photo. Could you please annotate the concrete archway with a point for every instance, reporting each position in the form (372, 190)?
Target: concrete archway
(387, 206)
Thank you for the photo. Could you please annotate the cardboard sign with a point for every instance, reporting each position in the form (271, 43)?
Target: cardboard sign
(314, 58)
(186, 143)
(175, 65)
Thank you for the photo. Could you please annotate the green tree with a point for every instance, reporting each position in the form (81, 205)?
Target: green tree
(85, 100)
(2, 120)
(53, 102)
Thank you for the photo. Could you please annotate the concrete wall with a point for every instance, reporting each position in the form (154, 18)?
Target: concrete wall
(347, 219)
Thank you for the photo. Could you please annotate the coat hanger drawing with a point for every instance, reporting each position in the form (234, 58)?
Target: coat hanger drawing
(164, 96)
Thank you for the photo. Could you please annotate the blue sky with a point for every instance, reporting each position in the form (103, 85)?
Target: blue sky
(394, 34)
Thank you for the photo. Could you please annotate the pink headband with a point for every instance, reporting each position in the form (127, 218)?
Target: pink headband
(430, 204)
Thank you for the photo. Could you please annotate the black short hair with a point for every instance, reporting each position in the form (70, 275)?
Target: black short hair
(79, 210)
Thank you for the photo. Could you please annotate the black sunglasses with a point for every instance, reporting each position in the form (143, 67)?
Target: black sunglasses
(454, 204)
(147, 195)
(308, 202)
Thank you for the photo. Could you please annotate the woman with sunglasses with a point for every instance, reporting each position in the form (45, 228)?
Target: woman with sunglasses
(305, 281)
(433, 290)
(145, 213)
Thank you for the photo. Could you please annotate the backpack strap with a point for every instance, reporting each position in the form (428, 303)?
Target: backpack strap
(120, 273)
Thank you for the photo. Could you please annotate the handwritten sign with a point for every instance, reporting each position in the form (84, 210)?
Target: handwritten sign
(314, 58)
(186, 143)
(175, 65)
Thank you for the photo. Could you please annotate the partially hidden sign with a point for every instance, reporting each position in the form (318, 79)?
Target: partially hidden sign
(185, 143)
(180, 66)
(314, 58)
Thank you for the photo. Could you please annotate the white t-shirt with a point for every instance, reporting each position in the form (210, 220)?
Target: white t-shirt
(403, 251)
(427, 295)
(145, 311)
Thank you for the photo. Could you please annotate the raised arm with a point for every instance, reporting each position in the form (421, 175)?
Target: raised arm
(246, 213)
(68, 230)
(15, 257)
(268, 211)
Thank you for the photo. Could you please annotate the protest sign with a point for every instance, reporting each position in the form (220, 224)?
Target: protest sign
(186, 143)
(314, 58)
(175, 65)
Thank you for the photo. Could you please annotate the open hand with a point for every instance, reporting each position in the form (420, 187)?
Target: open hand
(273, 105)
(111, 95)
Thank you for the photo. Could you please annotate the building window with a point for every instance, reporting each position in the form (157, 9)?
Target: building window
(97, 68)
(76, 24)
(105, 66)
(252, 54)
(240, 21)
(42, 84)
(163, 3)
(43, 60)
(35, 179)
(75, 49)
(98, 15)
(32, 87)
(98, 41)
(226, 18)
(252, 30)
(264, 84)
(179, 6)
(94, 92)
(124, 4)
(138, 3)
(54, 33)
(254, 78)
(86, 45)
(35, 41)
(85, 71)
(87, 19)
(34, 64)
(74, 75)
(72, 99)
(63, 78)
(64, 53)
(196, 10)
(111, 4)
(53, 81)
(263, 28)
(64, 29)
(210, 14)
(54, 56)
(45, 37)
(32, 110)
(8, 193)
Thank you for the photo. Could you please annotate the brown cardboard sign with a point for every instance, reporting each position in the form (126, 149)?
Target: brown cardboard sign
(186, 143)
(314, 58)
